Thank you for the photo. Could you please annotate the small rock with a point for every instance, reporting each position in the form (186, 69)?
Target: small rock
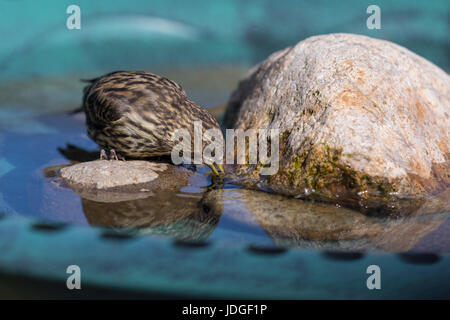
(114, 181)
(363, 122)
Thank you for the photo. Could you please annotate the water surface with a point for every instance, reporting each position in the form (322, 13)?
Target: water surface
(38, 136)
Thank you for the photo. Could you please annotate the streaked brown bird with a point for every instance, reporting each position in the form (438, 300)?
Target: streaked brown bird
(135, 114)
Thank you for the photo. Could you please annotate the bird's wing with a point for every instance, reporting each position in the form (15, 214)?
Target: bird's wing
(108, 97)
(101, 107)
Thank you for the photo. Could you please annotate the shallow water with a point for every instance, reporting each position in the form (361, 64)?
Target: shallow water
(34, 144)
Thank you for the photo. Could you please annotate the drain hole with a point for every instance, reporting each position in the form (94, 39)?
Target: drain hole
(266, 250)
(46, 226)
(114, 235)
(420, 258)
(190, 244)
(343, 256)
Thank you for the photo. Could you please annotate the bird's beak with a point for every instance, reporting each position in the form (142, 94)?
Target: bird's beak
(215, 171)
(220, 168)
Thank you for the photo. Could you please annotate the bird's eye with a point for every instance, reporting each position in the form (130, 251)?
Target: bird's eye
(206, 208)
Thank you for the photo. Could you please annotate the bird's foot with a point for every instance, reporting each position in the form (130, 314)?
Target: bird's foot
(112, 155)
(103, 155)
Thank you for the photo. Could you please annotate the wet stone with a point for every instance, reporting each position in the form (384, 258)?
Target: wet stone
(363, 122)
(114, 181)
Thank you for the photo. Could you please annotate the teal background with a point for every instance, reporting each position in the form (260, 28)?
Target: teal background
(137, 34)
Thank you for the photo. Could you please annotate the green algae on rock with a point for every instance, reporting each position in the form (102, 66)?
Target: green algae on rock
(363, 122)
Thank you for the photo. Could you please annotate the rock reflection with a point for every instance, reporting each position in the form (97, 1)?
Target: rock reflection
(293, 222)
(183, 216)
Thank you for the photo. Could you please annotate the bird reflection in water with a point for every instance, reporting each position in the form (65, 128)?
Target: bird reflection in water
(191, 217)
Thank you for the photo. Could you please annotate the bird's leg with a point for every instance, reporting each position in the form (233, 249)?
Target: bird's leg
(103, 155)
(113, 155)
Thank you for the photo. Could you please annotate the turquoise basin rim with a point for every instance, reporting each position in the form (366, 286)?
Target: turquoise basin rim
(214, 269)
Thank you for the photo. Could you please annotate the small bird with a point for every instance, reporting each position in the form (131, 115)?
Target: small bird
(135, 114)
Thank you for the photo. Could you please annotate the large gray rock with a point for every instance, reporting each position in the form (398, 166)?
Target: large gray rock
(363, 122)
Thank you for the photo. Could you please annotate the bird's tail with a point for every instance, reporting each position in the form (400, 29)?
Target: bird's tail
(85, 89)
(74, 111)
(89, 80)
